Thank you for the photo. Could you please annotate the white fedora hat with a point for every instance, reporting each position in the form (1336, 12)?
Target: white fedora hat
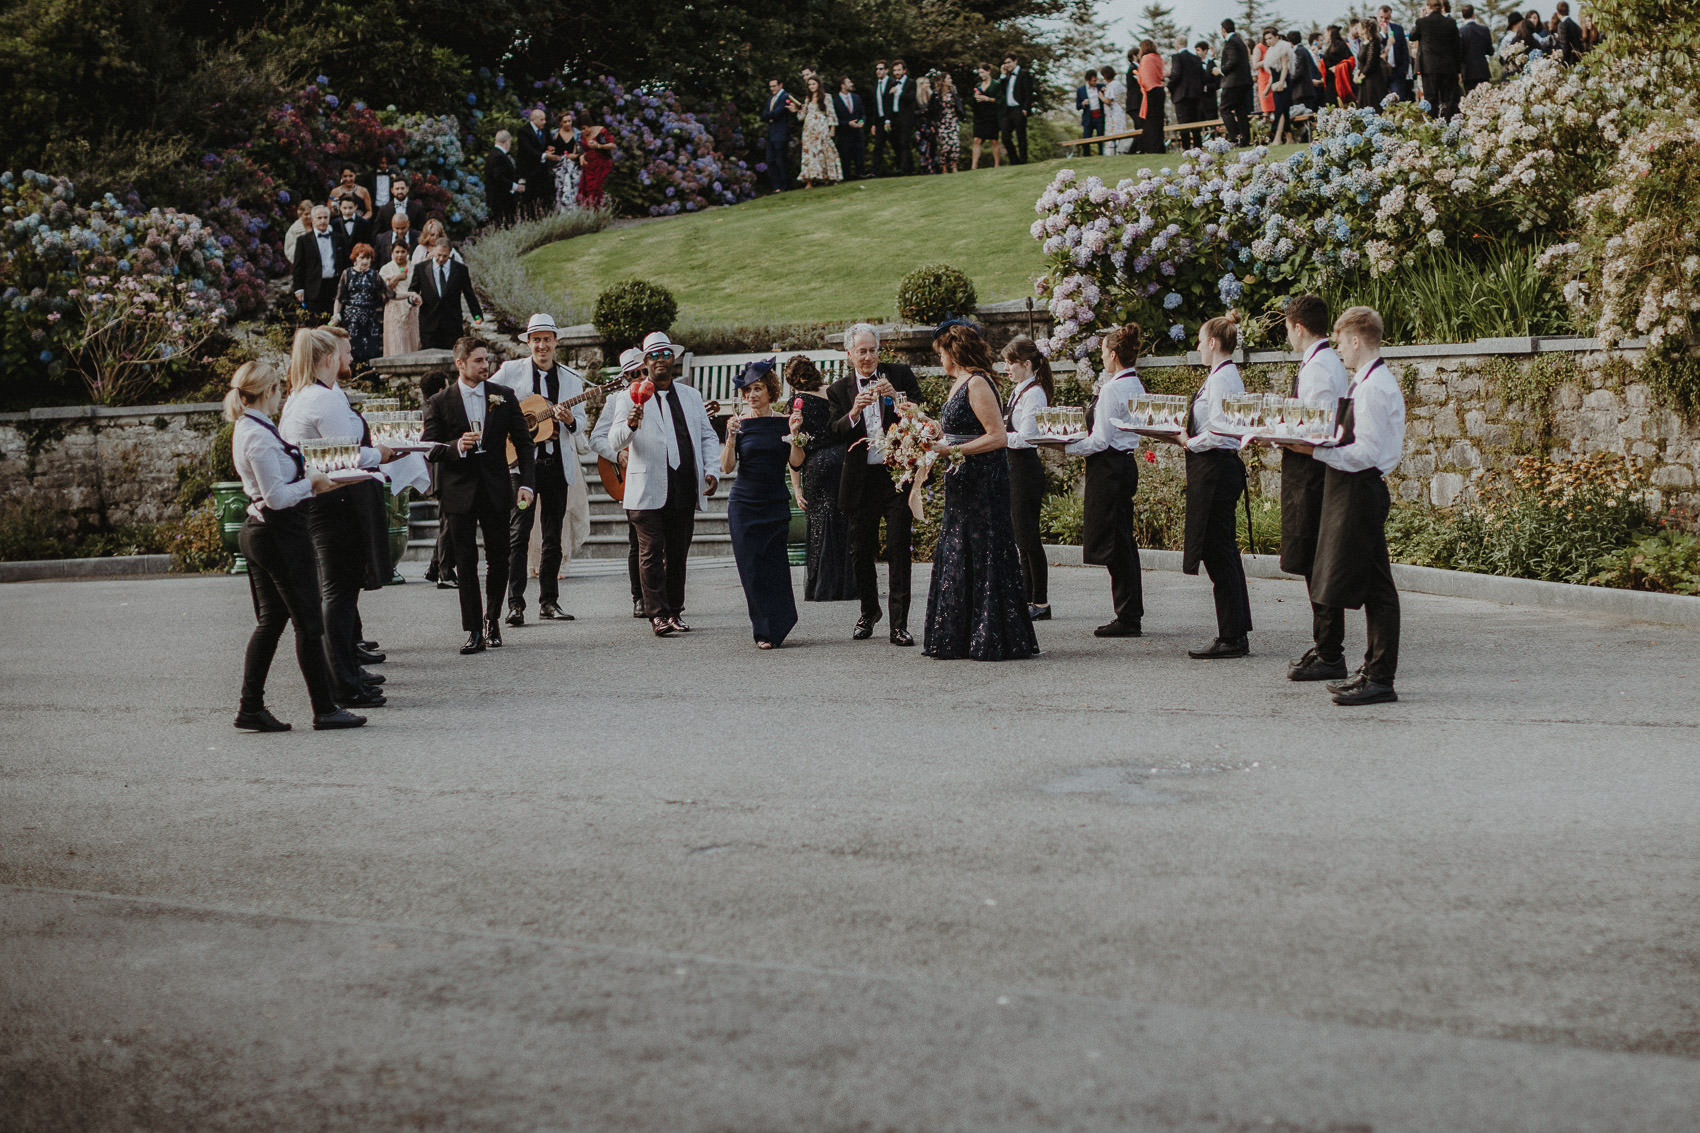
(541, 322)
(658, 340)
(631, 359)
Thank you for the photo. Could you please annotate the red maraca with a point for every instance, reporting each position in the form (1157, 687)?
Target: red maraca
(796, 405)
(642, 390)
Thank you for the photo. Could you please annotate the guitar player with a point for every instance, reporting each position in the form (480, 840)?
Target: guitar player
(557, 466)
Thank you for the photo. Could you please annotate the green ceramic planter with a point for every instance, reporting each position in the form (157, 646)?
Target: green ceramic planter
(231, 506)
(797, 538)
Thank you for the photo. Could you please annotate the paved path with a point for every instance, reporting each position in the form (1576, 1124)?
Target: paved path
(599, 881)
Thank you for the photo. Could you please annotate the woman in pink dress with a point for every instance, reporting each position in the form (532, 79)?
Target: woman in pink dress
(401, 312)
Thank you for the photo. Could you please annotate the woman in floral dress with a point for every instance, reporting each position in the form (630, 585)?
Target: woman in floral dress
(565, 143)
(820, 154)
(926, 126)
(950, 124)
(361, 296)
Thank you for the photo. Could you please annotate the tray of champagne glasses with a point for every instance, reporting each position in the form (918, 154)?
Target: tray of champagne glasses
(1276, 420)
(1060, 425)
(398, 429)
(1161, 416)
(337, 457)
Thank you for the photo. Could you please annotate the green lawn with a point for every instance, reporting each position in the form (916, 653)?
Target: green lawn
(828, 254)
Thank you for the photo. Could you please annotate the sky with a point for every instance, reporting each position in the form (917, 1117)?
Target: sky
(1203, 16)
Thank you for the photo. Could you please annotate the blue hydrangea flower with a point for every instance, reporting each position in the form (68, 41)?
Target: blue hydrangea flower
(1171, 301)
(1178, 332)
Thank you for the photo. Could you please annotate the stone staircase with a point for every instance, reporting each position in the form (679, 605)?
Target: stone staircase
(607, 538)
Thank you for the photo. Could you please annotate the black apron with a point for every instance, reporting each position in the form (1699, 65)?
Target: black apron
(1301, 509)
(369, 503)
(1351, 532)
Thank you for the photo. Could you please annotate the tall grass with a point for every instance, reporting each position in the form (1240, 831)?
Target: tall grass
(1448, 296)
(494, 259)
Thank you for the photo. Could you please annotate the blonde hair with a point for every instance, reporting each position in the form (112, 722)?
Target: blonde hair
(1224, 330)
(1361, 321)
(312, 346)
(248, 386)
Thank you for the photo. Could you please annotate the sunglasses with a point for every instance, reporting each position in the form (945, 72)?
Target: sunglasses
(656, 355)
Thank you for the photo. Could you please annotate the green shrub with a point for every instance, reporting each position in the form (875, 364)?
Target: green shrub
(1551, 520)
(195, 544)
(497, 261)
(631, 309)
(1667, 562)
(29, 532)
(1421, 536)
(1062, 519)
(934, 293)
(1265, 513)
(1159, 508)
(221, 458)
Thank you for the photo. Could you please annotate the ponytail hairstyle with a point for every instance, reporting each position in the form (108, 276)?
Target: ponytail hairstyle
(1024, 349)
(1224, 330)
(312, 346)
(1125, 344)
(249, 385)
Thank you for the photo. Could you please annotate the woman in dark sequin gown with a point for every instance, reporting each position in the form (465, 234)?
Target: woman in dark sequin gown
(977, 603)
(759, 511)
(361, 296)
(828, 577)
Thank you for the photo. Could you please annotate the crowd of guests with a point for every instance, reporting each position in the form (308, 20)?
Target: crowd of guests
(533, 169)
(903, 125)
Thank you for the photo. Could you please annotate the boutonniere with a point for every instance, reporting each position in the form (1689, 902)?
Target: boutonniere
(495, 400)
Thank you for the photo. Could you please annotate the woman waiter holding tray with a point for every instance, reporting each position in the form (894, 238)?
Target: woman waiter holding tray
(1215, 477)
(281, 574)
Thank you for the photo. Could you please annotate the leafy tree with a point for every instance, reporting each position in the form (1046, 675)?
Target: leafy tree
(1157, 23)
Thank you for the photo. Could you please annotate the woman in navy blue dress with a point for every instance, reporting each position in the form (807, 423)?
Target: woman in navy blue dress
(977, 602)
(759, 509)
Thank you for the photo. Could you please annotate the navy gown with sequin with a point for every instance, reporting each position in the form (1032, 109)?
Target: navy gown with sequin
(977, 603)
(759, 515)
(830, 576)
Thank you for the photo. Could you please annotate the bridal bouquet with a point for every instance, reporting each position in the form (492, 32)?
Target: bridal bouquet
(908, 444)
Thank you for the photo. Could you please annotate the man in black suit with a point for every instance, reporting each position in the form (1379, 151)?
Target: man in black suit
(400, 232)
(402, 201)
(1476, 44)
(882, 135)
(533, 161)
(901, 114)
(502, 184)
(1236, 86)
(776, 112)
(473, 488)
(441, 282)
(1568, 37)
(320, 255)
(354, 228)
(380, 185)
(1212, 73)
(1398, 54)
(852, 114)
(1186, 90)
(862, 409)
(1439, 58)
(1015, 105)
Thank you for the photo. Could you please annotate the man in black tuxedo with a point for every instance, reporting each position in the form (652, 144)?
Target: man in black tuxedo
(380, 184)
(862, 409)
(441, 282)
(1212, 73)
(1568, 37)
(1186, 90)
(400, 232)
(1439, 58)
(882, 134)
(502, 183)
(776, 112)
(1235, 98)
(402, 201)
(354, 228)
(473, 488)
(1477, 47)
(1015, 105)
(900, 97)
(852, 114)
(320, 255)
(533, 161)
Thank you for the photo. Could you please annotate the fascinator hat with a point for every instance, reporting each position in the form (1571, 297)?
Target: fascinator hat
(756, 371)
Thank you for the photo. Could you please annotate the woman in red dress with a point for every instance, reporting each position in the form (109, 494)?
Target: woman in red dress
(598, 160)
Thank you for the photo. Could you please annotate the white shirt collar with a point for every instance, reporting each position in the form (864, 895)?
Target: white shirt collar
(1316, 348)
(1363, 374)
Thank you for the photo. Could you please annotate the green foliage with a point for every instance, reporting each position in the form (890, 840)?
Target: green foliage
(1667, 561)
(31, 532)
(1062, 519)
(494, 260)
(1422, 536)
(1675, 381)
(631, 309)
(1265, 514)
(195, 543)
(221, 460)
(933, 293)
(1494, 291)
(1159, 508)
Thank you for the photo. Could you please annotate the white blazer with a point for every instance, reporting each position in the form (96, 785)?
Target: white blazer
(516, 374)
(646, 467)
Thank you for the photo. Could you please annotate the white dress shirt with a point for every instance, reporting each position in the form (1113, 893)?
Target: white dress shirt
(380, 190)
(521, 376)
(1224, 381)
(270, 477)
(474, 398)
(1112, 406)
(1323, 379)
(327, 254)
(315, 411)
(1010, 99)
(1024, 405)
(1378, 423)
(873, 423)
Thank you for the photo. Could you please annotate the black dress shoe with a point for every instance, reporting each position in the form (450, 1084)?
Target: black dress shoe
(1369, 692)
(1118, 628)
(516, 615)
(447, 583)
(864, 628)
(637, 608)
(1038, 613)
(341, 718)
(553, 612)
(371, 645)
(1221, 647)
(474, 643)
(371, 678)
(679, 624)
(661, 627)
(367, 657)
(1311, 667)
(431, 574)
(368, 698)
(1351, 682)
(493, 634)
(900, 636)
(260, 720)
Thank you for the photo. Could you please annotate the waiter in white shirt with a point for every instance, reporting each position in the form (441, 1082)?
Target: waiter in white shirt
(1112, 479)
(556, 465)
(1031, 388)
(1215, 479)
(1321, 382)
(1352, 567)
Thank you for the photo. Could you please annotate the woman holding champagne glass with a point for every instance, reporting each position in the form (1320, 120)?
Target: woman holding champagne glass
(758, 512)
(281, 573)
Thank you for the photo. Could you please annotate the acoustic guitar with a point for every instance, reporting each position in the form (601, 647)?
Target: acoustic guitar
(539, 415)
(613, 476)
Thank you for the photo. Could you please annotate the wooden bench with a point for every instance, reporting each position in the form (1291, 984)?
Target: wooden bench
(1092, 141)
(1180, 127)
(713, 374)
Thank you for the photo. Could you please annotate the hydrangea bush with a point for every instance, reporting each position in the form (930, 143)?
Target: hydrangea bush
(437, 169)
(669, 160)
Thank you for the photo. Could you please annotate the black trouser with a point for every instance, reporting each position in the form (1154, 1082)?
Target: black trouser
(903, 138)
(852, 152)
(339, 553)
(1152, 140)
(443, 554)
(632, 570)
(1190, 110)
(1013, 123)
(1235, 103)
(1215, 480)
(1441, 91)
(1026, 492)
(464, 528)
(881, 500)
(777, 173)
(881, 145)
(1112, 480)
(1328, 631)
(551, 502)
(664, 544)
(285, 587)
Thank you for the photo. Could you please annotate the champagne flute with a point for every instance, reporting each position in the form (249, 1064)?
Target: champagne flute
(476, 428)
